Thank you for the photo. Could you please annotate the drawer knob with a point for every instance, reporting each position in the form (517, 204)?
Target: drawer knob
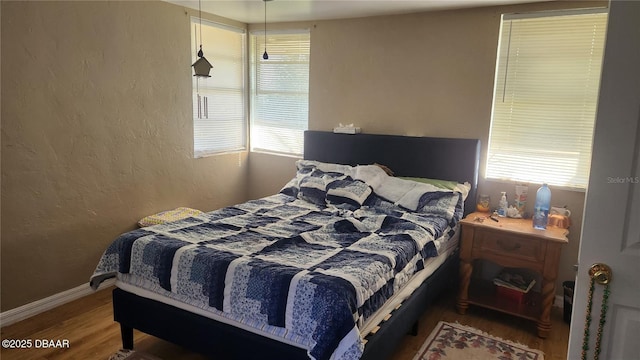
(509, 246)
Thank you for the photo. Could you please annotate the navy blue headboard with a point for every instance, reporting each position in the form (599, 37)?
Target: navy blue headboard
(436, 158)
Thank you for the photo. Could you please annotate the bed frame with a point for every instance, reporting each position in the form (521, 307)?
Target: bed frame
(448, 159)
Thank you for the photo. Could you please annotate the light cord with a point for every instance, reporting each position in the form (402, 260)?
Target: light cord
(265, 56)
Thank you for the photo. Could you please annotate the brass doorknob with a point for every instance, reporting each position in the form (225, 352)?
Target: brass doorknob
(601, 273)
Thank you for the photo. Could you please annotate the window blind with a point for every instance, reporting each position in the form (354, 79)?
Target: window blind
(219, 102)
(279, 91)
(545, 97)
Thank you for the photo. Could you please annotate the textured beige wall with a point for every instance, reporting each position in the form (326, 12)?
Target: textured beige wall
(96, 133)
(424, 74)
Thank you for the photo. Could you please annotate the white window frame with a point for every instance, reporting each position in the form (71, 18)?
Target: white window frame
(279, 113)
(537, 135)
(220, 102)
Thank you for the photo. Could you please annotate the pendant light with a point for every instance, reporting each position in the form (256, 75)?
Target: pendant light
(202, 66)
(265, 55)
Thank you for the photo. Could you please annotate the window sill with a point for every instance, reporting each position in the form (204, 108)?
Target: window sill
(535, 184)
(210, 154)
(275, 153)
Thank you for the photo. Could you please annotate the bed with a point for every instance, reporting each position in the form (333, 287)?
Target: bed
(339, 214)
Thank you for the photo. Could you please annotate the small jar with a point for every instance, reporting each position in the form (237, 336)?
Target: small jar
(483, 204)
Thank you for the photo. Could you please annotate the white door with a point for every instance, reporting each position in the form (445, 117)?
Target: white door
(611, 226)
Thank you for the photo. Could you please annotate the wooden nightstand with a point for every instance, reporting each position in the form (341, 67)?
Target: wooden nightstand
(510, 243)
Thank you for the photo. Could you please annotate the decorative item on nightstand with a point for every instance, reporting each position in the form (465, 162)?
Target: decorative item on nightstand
(541, 209)
(514, 283)
(484, 203)
(521, 198)
(559, 217)
(503, 205)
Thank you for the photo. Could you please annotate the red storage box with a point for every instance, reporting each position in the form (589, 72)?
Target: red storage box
(513, 295)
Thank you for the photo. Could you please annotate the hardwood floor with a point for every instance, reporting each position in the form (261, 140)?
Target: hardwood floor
(88, 326)
(492, 322)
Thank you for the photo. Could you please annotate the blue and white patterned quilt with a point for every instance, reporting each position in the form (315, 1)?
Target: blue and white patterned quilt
(312, 262)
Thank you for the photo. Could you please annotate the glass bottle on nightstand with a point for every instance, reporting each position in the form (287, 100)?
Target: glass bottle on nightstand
(483, 204)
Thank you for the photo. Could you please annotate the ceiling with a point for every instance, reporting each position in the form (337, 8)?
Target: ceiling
(252, 11)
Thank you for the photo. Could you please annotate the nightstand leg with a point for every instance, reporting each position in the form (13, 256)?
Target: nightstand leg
(463, 292)
(548, 292)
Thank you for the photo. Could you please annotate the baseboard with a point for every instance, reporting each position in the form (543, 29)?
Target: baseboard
(26, 311)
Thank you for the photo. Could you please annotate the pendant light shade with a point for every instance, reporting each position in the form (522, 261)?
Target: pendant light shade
(202, 66)
(265, 55)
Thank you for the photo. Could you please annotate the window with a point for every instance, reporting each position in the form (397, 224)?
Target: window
(219, 102)
(545, 97)
(279, 92)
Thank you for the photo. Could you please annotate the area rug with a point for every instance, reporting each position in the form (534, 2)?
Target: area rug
(455, 341)
(131, 355)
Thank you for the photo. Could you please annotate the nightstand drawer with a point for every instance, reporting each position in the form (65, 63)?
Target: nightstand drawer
(509, 245)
